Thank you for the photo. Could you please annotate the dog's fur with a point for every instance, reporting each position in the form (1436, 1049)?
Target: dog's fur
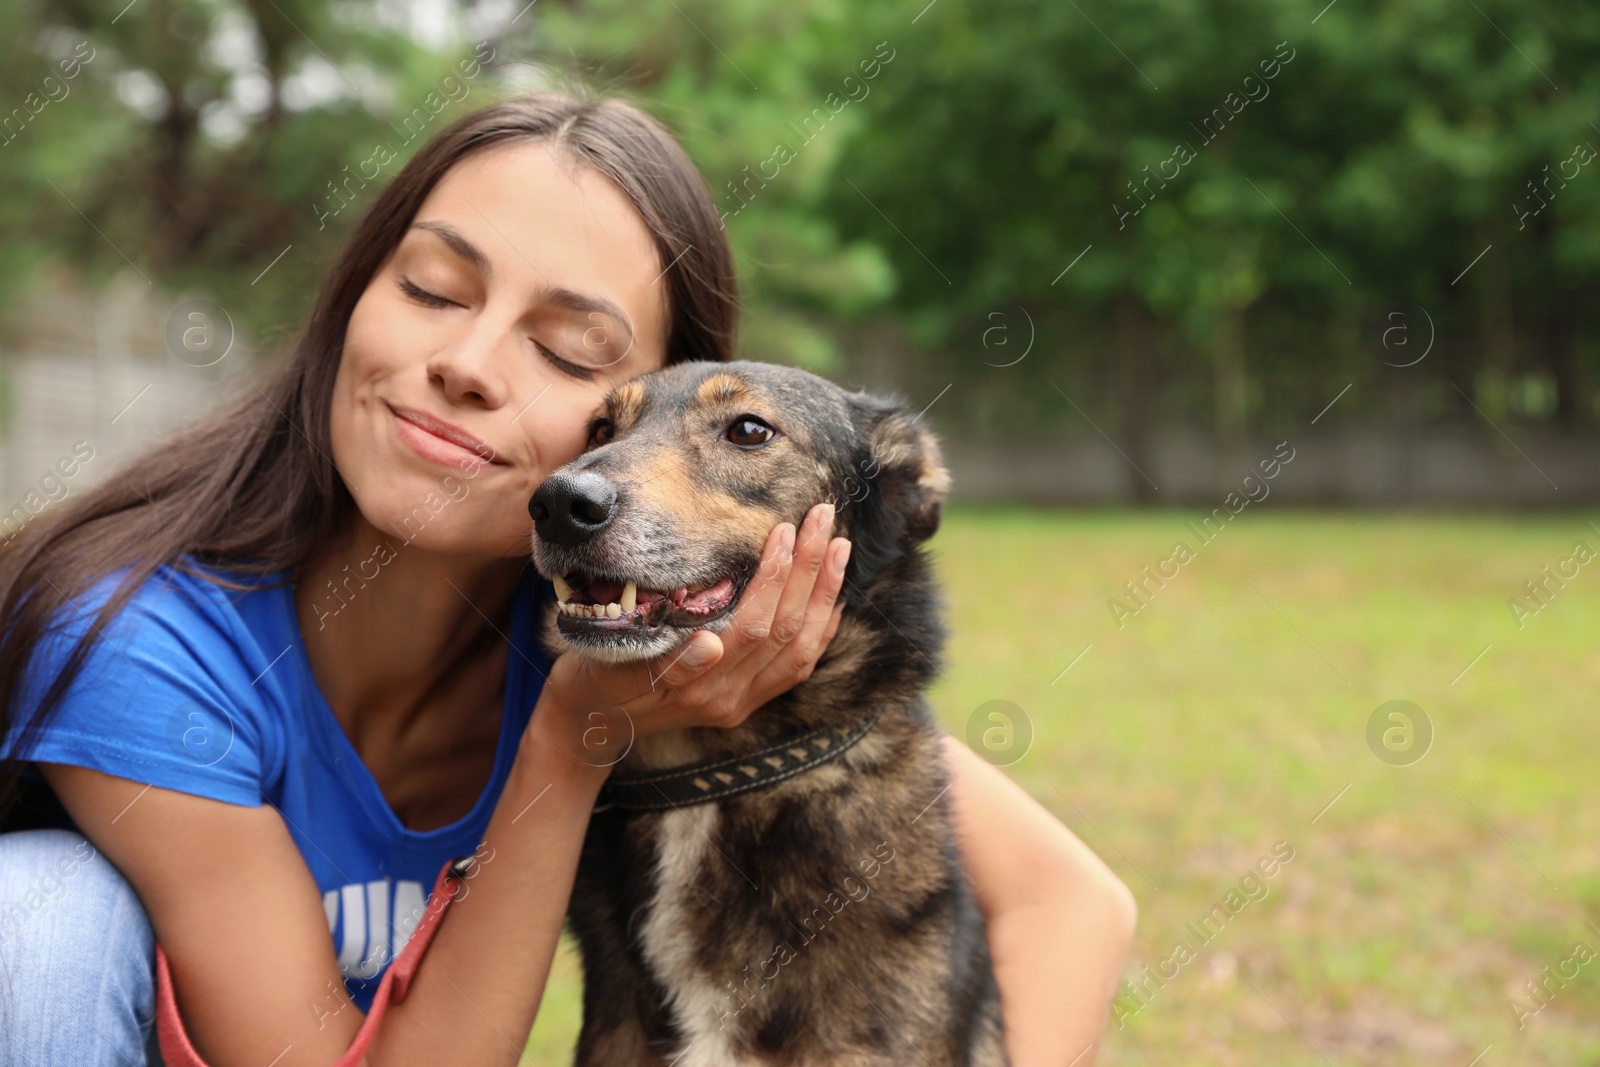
(824, 919)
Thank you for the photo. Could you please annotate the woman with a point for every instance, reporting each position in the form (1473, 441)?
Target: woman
(310, 675)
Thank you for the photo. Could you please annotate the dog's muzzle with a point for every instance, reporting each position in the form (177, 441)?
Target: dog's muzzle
(624, 590)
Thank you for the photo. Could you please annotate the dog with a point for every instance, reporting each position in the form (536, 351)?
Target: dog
(787, 891)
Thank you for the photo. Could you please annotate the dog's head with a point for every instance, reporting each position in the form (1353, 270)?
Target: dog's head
(656, 530)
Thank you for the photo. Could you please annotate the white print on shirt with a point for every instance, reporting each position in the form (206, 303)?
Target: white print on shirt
(359, 916)
(371, 923)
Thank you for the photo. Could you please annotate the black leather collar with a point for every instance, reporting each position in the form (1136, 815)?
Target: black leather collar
(728, 776)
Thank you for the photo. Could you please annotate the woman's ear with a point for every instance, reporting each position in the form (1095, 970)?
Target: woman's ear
(897, 494)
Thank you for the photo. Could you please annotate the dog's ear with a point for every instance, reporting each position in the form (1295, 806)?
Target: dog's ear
(894, 498)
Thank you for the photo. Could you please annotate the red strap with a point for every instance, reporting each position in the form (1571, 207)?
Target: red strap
(178, 1051)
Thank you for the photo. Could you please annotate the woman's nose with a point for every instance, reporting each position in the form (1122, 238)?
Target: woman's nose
(477, 364)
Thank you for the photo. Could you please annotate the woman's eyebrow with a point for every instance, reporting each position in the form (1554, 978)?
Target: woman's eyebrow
(458, 244)
(561, 297)
(593, 304)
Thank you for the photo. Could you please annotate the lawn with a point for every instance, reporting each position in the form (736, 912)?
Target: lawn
(1228, 716)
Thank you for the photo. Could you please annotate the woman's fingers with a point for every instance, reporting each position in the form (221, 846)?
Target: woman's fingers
(752, 616)
(616, 685)
(794, 662)
(700, 685)
(815, 600)
(592, 720)
(811, 546)
(825, 595)
(689, 661)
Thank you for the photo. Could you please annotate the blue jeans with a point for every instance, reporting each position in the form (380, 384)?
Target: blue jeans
(77, 957)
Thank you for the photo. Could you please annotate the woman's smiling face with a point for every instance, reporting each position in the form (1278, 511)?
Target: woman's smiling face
(525, 288)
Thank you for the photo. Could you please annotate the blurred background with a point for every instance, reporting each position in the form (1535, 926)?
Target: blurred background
(1260, 335)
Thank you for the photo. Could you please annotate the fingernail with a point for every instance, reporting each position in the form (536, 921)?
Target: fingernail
(839, 557)
(698, 654)
(825, 517)
(786, 539)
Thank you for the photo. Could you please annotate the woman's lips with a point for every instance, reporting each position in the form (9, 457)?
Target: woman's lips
(438, 449)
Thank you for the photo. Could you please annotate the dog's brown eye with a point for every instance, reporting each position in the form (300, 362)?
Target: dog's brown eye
(747, 431)
(601, 432)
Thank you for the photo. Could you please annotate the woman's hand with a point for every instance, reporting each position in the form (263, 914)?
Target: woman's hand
(782, 622)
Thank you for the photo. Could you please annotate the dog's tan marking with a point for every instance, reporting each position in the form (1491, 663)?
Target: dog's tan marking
(664, 483)
(720, 389)
(624, 405)
(933, 476)
(663, 480)
(669, 748)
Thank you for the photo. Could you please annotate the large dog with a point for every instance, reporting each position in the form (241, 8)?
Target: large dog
(787, 891)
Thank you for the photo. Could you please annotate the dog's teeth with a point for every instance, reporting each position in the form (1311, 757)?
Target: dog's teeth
(630, 597)
(613, 610)
(563, 590)
(597, 610)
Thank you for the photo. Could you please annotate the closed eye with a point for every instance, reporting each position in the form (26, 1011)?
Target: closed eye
(566, 366)
(422, 296)
(434, 300)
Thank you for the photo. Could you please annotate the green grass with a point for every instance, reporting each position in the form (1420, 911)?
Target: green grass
(1232, 709)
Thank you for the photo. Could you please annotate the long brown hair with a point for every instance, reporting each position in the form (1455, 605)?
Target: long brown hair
(252, 489)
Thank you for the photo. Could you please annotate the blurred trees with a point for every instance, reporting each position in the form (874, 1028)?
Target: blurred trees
(203, 139)
(1383, 155)
(1214, 213)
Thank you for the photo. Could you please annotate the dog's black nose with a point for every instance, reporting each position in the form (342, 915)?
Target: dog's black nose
(569, 509)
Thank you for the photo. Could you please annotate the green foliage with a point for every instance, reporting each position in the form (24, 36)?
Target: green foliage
(1253, 186)
(200, 140)
(747, 85)
(1376, 163)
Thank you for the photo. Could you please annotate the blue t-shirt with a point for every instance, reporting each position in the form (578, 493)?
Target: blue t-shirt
(207, 690)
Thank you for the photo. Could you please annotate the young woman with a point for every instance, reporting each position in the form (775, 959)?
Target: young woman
(282, 667)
